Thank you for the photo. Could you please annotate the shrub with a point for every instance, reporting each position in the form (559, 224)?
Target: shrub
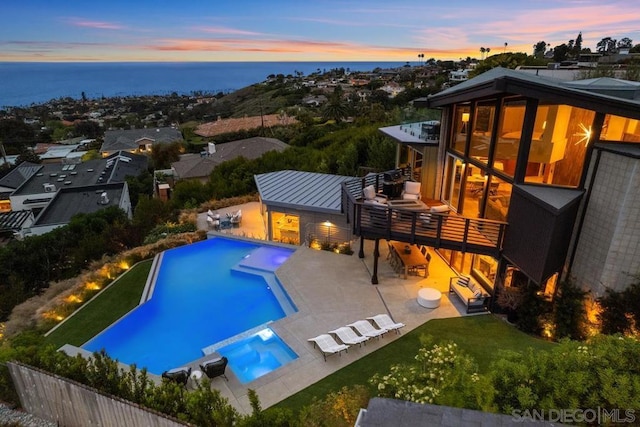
(337, 409)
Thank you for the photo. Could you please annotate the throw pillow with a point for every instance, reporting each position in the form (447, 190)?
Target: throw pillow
(463, 281)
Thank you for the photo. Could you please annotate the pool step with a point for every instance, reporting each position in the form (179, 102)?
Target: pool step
(285, 302)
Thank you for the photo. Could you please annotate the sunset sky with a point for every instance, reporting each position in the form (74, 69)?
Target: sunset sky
(294, 30)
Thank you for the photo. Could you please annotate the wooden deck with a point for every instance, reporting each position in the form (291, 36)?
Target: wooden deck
(448, 231)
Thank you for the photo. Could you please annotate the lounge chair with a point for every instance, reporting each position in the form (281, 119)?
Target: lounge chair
(215, 367)
(347, 336)
(328, 345)
(179, 375)
(383, 321)
(373, 198)
(366, 329)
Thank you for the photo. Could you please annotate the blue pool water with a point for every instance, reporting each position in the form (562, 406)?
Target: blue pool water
(204, 293)
(257, 355)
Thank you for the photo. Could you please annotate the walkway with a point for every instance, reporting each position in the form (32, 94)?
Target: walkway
(331, 290)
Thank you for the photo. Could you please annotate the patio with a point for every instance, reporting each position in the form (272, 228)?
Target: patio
(332, 290)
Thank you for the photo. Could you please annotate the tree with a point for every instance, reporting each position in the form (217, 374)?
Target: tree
(482, 52)
(539, 49)
(336, 108)
(606, 46)
(163, 155)
(577, 47)
(625, 43)
(561, 53)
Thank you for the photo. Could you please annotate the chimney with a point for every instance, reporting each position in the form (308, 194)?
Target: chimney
(104, 200)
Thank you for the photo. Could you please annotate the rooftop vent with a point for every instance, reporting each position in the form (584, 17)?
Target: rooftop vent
(104, 200)
(74, 173)
(49, 188)
(67, 182)
(89, 170)
(39, 174)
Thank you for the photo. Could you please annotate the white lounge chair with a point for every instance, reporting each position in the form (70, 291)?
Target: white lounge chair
(383, 321)
(328, 345)
(366, 329)
(347, 336)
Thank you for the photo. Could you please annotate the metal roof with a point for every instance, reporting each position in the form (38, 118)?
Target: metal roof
(499, 81)
(317, 192)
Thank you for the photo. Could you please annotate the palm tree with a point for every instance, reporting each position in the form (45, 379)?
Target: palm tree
(482, 51)
(505, 47)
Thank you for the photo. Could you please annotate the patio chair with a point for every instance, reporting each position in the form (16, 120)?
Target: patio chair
(236, 218)
(213, 223)
(411, 191)
(366, 329)
(179, 375)
(383, 321)
(373, 198)
(215, 367)
(328, 345)
(347, 336)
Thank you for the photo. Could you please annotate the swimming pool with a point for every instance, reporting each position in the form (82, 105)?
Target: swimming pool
(203, 293)
(257, 355)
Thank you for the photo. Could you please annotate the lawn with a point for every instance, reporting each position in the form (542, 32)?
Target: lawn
(478, 336)
(114, 302)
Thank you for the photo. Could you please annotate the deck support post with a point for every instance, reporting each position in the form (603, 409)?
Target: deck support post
(361, 253)
(376, 255)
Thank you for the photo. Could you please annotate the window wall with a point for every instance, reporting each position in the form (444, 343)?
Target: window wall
(620, 129)
(509, 136)
(484, 116)
(461, 125)
(559, 145)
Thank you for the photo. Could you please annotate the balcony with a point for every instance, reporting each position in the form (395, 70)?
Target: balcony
(450, 231)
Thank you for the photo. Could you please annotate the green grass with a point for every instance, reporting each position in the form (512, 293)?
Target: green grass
(109, 306)
(479, 336)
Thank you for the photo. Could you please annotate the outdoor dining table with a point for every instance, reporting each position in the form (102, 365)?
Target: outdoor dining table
(409, 260)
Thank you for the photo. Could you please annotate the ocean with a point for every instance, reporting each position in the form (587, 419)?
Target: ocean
(26, 83)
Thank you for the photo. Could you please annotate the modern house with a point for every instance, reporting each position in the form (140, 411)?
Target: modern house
(55, 192)
(545, 171)
(138, 140)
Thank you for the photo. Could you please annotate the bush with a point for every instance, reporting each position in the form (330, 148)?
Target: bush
(569, 312)
(337, 409)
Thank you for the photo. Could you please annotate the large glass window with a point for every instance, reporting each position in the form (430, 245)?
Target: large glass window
(460, 128)
(509, 135)
(285, 228)
(559, 145)
(484, 116)
(485, 269)
(452, 179)
(498, 199)
(622, 129)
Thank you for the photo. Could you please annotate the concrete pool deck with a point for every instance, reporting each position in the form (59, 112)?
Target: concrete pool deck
(332, 290)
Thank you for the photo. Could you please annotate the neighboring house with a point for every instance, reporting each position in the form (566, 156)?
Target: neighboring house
(14, 179)
(302, 206)
(38, 191)
(551, 166)
(138, 140)
(392, 88)
(200, 166)
(70, 201)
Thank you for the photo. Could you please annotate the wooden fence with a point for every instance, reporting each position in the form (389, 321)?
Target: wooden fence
(69, 403)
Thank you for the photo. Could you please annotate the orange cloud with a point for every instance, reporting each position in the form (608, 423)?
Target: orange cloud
(226, 31)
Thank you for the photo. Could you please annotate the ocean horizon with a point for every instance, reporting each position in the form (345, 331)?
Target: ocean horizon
(28, 83)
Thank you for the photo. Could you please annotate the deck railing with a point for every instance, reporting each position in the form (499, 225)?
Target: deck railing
(448, 231)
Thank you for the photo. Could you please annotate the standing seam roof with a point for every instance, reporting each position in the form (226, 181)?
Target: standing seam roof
(302, 190)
